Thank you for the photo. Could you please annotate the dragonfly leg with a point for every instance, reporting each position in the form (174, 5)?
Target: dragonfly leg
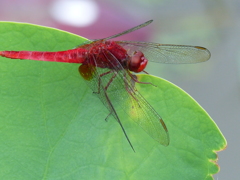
(106, 119)
(145, 72)
(116, 116)
(134, 78)
(131, 90)
(103, 74)
(110, 81)
(99, 81)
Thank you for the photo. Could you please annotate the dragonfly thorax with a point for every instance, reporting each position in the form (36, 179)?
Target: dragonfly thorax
(109, 54)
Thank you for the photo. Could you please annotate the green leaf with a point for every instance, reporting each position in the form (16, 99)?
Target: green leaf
(52, 127)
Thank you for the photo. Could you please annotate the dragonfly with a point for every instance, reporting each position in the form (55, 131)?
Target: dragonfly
(109, 68)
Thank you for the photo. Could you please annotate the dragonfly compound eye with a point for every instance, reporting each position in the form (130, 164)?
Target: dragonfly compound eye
(137, 62)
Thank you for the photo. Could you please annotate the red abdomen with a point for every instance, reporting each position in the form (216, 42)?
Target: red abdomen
(69, 56)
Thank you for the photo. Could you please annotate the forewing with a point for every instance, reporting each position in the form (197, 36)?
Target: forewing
(140, 111)
(130, 30)
(124, 97)
(148, 119)
(168, 53)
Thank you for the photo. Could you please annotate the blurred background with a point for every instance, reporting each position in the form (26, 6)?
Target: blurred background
(214, 24)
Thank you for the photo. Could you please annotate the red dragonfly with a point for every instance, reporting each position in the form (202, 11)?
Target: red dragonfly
(107, 66)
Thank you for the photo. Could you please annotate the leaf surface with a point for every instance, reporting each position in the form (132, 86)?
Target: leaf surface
(52, 127)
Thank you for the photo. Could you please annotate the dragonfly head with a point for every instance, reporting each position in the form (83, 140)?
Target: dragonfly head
(137, 62)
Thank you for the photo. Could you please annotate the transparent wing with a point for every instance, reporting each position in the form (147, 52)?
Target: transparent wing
(148, 119)
(117, 92)
(138, 109)
(167, 53)
(130, 30)
(116, 35)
